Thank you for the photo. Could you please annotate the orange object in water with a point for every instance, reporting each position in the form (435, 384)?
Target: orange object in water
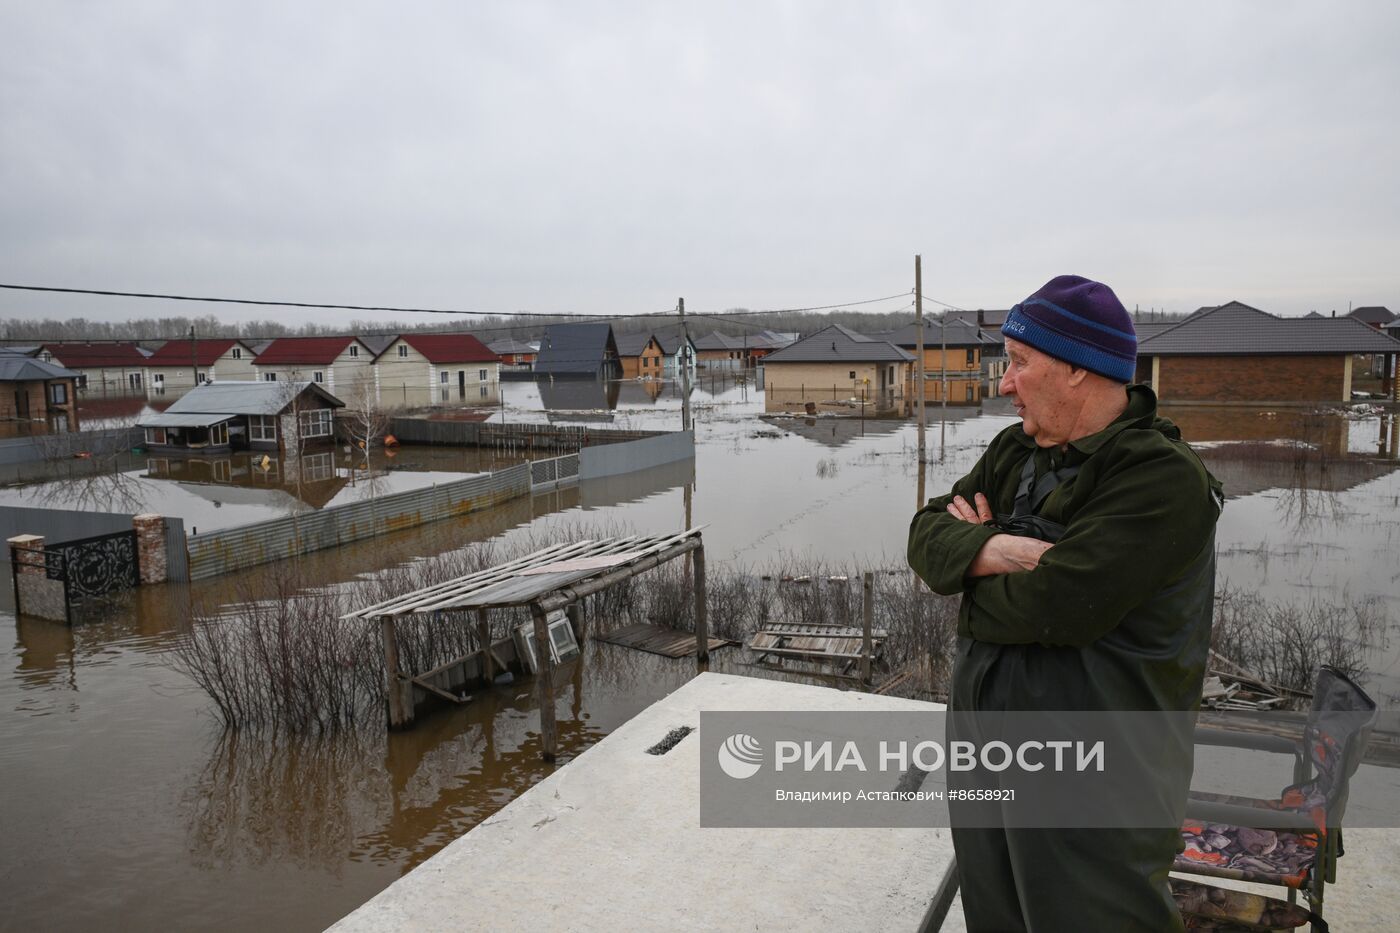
(390, 440)
(83, 455)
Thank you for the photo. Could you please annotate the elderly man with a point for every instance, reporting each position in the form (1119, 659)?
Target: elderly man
(1082, 545)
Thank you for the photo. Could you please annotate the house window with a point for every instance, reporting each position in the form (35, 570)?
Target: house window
(318, 376)
(218, 434)
(442, 377)
(483, 391)
(317, 467)
(48, 357)
(133, 380)
(237, 353)
(158, 380)
(222, 470)
(971, 392)
(354, 349)
(269, 377)
(481, 375)
(403, 349)
(200, 378)
(262, 428)
(155, 435)
(853, 374)
(316, 423)
(81, 380)
(442, 395)
(971, 358)
(58, 394)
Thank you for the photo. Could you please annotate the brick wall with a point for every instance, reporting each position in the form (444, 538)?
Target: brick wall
(1252, 378)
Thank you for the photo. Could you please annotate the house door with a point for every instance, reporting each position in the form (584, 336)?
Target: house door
(461, 383)
(22, 403)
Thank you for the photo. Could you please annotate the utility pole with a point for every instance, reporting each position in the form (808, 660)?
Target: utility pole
(919, 361)
(685, 369)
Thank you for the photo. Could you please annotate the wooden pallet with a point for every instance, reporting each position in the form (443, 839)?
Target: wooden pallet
(658, 640)
(817, 643)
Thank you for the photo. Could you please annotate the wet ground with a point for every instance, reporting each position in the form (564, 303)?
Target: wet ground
(124, 805)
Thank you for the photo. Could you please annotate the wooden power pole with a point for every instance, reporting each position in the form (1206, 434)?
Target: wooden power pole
(919, 361)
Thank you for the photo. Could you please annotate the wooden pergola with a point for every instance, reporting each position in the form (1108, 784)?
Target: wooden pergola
(546, 581)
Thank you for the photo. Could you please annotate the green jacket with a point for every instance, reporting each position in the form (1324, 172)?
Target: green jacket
(1117, 614)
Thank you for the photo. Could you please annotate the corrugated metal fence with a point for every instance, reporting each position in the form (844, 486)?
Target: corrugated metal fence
(517, 437)
(230, 549)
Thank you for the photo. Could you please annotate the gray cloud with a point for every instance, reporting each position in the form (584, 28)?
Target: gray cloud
(607, 158)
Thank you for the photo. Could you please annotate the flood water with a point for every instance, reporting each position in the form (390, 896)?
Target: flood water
(125, 806)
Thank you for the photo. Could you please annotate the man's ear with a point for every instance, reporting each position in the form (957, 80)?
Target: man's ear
(1077, 374)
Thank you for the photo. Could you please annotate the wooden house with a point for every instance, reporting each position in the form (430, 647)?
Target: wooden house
(220, 417)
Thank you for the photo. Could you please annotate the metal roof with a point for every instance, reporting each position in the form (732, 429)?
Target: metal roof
(510, 345)
(446, 348)
(1373, 314)
(836, 344)
(633, 344)
(88, 355)
(310, 350)
(170, 419)
(204, 352)
(1236, 329)
(959, 333)
(247, 398)
(28, 369)
(580, 349)
(536, 576)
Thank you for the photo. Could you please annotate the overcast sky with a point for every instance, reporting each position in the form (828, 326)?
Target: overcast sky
(610, 157)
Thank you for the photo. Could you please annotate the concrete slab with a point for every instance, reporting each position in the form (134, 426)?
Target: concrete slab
(612, 842)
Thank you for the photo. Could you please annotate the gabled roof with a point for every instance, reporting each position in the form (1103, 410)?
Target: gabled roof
(507, 345)
(86, 355)
(310, 350)
(578, 349)
(1236, 329)
(718, 341)
(206, 352)
(248, 398)
(959, 334)
(1373, 314)
(633, 344)
(447, 348)
(17, 368)
(836, 344)
(992, 319)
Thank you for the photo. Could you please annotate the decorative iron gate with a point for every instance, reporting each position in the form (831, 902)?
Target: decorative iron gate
(94, 567)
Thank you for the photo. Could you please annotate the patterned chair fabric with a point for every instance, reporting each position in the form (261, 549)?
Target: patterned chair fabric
(1246, 854)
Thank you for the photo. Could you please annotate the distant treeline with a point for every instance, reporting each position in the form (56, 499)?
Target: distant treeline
(740, 322)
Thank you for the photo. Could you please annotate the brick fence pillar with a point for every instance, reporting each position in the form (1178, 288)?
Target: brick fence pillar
(150, 547)
(27, 552)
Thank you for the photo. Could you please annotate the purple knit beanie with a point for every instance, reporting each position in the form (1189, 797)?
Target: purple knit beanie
(1078, 321)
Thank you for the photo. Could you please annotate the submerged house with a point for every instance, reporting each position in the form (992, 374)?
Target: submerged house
(640, 355)
(101, 368)
(579, 351)
(431, 369)
(35, 390)
(516, 355)
(221, 417)
(960, 363)
(341, 364)
(1235, 353)
(184, 364)
(836, 365)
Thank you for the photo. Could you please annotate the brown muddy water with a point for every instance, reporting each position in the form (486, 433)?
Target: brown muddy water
(124, 806)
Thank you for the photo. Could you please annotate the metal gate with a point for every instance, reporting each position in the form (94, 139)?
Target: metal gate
(93, 567)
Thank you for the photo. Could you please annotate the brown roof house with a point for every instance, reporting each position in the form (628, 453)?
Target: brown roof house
(436, 369)
(101, 368)
(181, 365)
(836, 369)
(344, 365)
(1235, 353)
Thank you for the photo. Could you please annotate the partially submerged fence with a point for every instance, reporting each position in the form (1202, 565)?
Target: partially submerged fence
(39, 447)
(230, 549)
(510, 437)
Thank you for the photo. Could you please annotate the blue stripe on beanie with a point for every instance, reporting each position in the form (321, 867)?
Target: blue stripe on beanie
(1079, 321)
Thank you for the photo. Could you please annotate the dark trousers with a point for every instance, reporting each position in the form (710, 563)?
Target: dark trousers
(1050, 880)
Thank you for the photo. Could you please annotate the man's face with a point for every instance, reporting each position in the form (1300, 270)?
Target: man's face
(1038, 385)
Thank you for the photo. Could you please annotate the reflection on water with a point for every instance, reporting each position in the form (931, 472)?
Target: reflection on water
(99, 736)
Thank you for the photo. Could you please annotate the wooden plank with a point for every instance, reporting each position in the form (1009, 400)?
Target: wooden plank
(431, 688)
(655, 639)
(544, 676)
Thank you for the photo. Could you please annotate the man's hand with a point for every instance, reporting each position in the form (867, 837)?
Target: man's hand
(1001, 553)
